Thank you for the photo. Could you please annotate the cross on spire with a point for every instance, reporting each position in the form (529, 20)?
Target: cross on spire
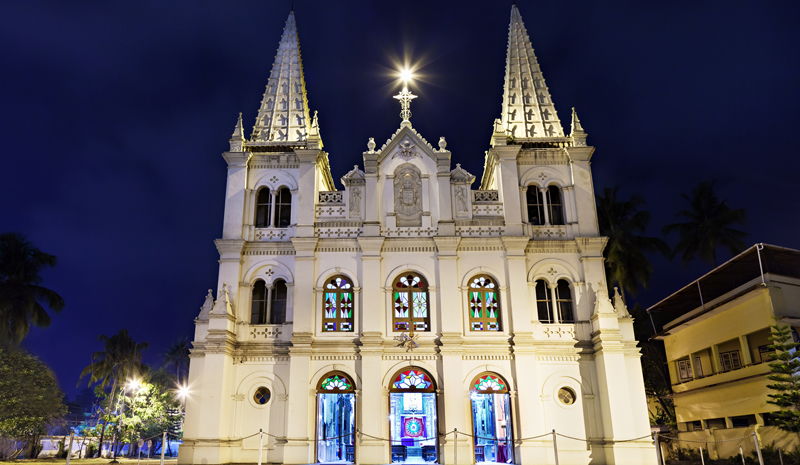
(405, 97)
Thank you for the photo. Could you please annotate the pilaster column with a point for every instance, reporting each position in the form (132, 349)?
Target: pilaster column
(450, 300)
(272, 204)
(270, 287)
(556, 316)
(747, 358)
(715, 361)
(307, 190)
(544, 207)
(523, 203)
(507, 187)
(233, 219)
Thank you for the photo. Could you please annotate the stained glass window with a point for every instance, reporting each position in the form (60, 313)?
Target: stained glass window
(484, 307)
(411, 312)
(336, 383)
(412, 380)
(337, 302)
(489, 383)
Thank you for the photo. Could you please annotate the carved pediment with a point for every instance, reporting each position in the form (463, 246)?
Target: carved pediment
(406, 144)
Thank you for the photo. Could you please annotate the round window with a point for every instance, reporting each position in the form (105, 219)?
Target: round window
(262, 396)
(566, 396)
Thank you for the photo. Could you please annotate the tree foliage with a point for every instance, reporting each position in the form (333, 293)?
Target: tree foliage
(623, 222)
(22, 296)
(120, 359)
(707, 226)
(29, 396)
(177, 355)
(786, 374)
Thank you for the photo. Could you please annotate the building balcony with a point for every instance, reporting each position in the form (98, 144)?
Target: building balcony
(747, 371)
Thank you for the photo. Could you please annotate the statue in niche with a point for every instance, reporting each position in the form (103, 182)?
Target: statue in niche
(461, 200)
(355, 201)
(408, 196)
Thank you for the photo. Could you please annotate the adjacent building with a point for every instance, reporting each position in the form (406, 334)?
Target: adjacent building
(363, 324)
(717, 340)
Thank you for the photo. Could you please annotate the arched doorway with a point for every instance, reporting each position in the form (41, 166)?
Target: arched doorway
(336, 405)
(412, 414)
(491, 419)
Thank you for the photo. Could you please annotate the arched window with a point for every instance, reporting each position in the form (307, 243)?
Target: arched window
(277, 310)
(338, 305)
(258, 310)
(263, 208)
(535, 205)
(283, 208)
(484, 309)
(564, 302)
(411, 303)
(412, 380)
(555, 205)
(544, 304)
(336, 405)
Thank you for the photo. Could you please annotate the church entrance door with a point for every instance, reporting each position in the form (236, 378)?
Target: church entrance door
(412, 408)
(336, 403)
(491, 419)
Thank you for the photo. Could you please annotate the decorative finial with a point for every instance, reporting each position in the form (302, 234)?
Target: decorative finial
(442, 143)
(576, 123)
(370, 146)
(237, 139)
(405, 97)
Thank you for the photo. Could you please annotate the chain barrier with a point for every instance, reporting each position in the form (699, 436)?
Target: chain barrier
(749, 436)
(613, 440)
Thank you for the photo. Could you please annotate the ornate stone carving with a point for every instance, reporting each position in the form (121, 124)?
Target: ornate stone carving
(371, 145)
(406, 150)
(408, 195)
(485, 196)
(355, 201)
(442, 144)
(461, 200)
(330, 197)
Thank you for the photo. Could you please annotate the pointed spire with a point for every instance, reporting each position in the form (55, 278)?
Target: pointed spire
(223, 305)
(619, 305)
(237, 139)
(577, 133)
(528, 110)
(205, 310)
(283, 118)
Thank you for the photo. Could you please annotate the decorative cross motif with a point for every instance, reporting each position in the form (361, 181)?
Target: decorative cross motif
(552, 272)
(407, 341)
(405, 97)
(542, 176)
(269, 272)
(273, 179)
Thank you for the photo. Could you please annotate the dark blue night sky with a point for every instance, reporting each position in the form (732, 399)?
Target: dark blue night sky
(115, 115)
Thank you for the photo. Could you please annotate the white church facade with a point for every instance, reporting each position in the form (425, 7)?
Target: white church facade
(366, 324)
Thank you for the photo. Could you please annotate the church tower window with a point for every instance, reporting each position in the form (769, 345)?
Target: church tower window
(544, 304)
(283, 208)
(277, 310)
(263, 208)
(338, 305)
(564, 302)
(555, 205)
(484, 308)
(258, 310)
(535, 205)
(411, 311)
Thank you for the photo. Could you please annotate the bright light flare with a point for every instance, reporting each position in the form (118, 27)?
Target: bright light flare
(134, 385)
(183, 391)
(406, 75)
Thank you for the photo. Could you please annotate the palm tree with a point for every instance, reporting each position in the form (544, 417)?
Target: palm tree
(120, 359)
(625, 260)
(707, 226)
(178, 355)
(21, 294)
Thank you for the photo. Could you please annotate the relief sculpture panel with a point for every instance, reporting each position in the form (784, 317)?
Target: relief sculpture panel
(408, 196)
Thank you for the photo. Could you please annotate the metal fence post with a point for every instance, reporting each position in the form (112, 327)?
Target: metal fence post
(163, 446)
(555, 447)
(741, 452)
(260, 445)
(758, 448)
(780, 455)
(69, 450)
(455, 446)
(702, 459)
(357, 459)
(658, 449)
